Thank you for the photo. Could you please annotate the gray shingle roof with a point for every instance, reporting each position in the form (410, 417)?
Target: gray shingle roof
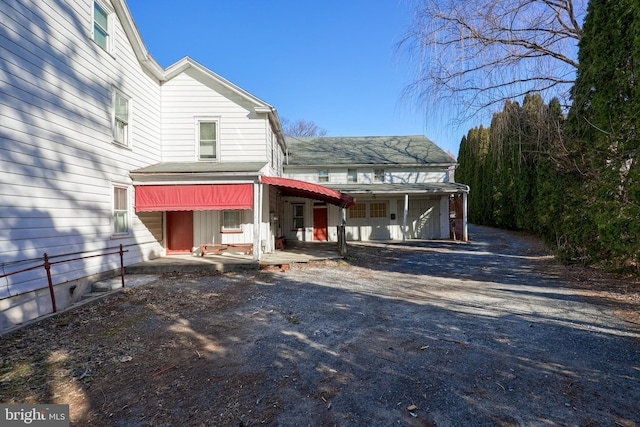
(200, 167)
(428, 187)
(365, 150)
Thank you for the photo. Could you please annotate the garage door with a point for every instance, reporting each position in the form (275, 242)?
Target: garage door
(423, 218)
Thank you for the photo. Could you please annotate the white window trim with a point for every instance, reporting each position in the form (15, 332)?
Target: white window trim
(196, 127)
(110, 24)
(127, 143)
(127, 188)
(232, 230)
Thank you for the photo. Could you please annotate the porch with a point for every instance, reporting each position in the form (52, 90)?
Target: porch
(295, 252)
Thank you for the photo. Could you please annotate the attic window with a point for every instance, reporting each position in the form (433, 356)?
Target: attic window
(207, 140)
(323, 175)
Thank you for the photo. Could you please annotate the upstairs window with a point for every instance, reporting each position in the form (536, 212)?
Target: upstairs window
(101, 26)
(378, 175)
(120, 211)
(207, 140)
(352, 175)
(323, 175)
(121, 119)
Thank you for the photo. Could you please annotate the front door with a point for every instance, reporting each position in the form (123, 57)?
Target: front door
(179, 232)
(320, 224)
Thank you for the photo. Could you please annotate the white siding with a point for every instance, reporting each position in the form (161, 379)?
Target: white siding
(365, 175)
(207, 227)
(58, 159)
(242, 133)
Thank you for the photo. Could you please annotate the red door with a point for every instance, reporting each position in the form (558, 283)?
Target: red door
(320, 224)
(179, 232)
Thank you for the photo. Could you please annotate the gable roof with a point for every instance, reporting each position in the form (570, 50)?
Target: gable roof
(144, 57)
(366, 150)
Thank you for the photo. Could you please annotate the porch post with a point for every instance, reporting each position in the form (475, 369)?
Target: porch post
(257, 220)
(404, 221)
(465, 231)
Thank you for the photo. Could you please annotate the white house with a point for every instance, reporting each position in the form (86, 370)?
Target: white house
(403, 186)
(102, 148)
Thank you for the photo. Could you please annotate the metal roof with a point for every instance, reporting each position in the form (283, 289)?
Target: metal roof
(366, 150)
(401, 188)
(201, 167)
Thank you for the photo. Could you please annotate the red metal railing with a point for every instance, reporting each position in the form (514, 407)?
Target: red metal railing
(47, 266)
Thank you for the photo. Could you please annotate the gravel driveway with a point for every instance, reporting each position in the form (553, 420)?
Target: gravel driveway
(487, 333)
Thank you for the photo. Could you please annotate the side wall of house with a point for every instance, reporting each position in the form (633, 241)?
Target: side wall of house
(59, 159)
(192, 96)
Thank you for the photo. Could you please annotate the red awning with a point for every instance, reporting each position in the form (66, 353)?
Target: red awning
(294, 187)
(150, 198)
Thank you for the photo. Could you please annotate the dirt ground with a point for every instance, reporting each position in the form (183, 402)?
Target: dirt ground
(487, 333)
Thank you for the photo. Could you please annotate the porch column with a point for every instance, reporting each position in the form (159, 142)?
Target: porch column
(257, 220)
(404, 221)
(465, 231)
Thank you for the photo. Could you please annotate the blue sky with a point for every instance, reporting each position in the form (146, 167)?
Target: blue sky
(332, 62)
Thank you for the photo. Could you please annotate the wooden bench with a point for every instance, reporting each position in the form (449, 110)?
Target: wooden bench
(211, 248)
(216, 248)
(246, 248)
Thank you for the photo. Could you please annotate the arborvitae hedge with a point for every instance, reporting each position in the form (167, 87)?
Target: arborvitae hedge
(574, 181)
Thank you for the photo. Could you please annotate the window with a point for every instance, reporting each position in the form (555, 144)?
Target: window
(298, 217)
(120, 211)
(378, 210)
(101, 26)
(352, 175)
(323, 175)
(121, 119)
(359, 210)
(207, 137)
(378, 175)
(232, 220)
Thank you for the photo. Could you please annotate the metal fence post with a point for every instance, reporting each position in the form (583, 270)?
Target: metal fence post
(122, 264)
(47, 266)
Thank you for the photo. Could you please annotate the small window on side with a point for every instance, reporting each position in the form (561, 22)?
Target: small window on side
(207, 137)
(101, 26)
(121, 119)
(232, 220)
(120, 211)
(323, 175)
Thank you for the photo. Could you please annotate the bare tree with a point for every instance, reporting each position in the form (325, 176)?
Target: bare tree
(302, 128)
(477, 53)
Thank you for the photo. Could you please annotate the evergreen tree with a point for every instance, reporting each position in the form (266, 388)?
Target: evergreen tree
(603, 128)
